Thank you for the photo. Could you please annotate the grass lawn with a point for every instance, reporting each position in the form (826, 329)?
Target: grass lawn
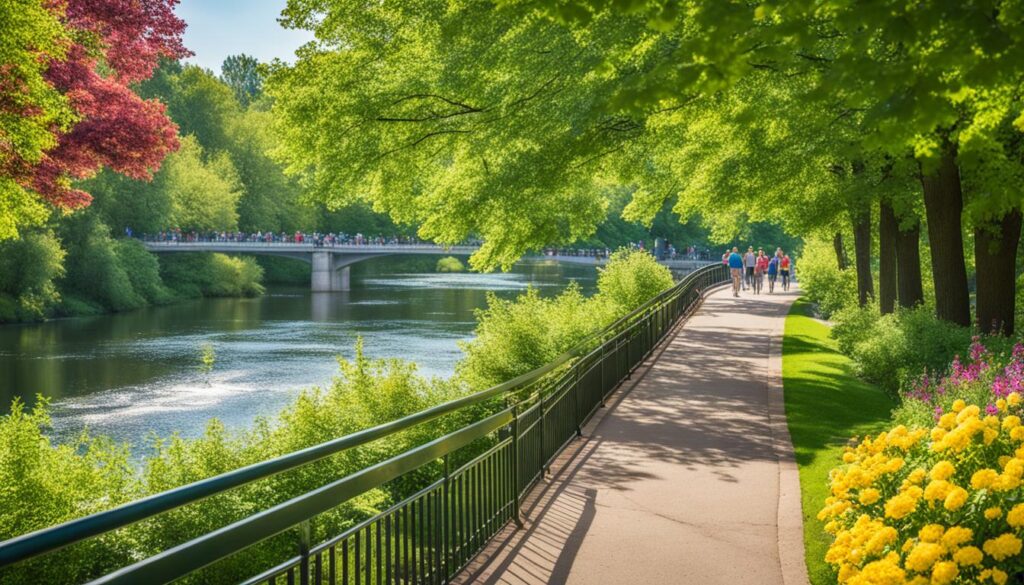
(825, 406)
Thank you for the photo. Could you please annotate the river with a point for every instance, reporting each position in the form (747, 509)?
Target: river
(134, 374)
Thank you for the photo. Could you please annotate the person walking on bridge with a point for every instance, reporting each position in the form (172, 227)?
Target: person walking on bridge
(736, 270)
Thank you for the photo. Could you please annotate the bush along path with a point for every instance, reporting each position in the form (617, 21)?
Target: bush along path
(680, 481)
(825, 406)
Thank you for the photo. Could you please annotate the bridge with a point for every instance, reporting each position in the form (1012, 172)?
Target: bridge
(331, 263)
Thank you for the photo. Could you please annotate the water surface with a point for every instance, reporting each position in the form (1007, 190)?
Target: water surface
(132, 374)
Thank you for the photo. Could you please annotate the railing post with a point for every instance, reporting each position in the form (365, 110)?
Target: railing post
(542, 422)
(446, 515)
(577, 415)
(604, 348)
(515, 465)
(305, 536)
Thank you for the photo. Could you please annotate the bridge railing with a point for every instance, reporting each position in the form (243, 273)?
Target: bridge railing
(431, 535)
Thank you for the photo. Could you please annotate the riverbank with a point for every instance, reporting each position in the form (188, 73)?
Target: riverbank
(113, 276)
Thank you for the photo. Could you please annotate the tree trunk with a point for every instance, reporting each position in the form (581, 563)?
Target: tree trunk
(908, 266)
(887, 287)
(943, 204)
(862, 255)
(837, 243)
(995, 257)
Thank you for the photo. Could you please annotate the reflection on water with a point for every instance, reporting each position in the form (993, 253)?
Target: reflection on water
(131, 374)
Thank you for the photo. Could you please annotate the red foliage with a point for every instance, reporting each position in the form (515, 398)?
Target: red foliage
(116, 128)
(134, 33)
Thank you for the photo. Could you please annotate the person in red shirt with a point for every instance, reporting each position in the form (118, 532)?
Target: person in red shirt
(784, 268)
(760, 267)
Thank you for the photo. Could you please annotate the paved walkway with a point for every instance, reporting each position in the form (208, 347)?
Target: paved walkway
(687, 478)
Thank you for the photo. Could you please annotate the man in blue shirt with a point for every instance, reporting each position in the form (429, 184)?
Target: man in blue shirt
(736, 270)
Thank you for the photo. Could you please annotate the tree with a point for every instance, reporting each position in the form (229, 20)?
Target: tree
(203, 194)
(88, 53)
(243, 75)
(452, 119)
(31, 109)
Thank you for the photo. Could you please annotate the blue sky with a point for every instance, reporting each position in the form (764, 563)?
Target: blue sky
(218, 28)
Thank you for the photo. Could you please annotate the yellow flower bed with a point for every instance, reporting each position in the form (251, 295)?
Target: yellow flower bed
(939, 505)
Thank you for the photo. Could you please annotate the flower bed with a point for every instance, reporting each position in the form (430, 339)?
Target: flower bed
(938, 498)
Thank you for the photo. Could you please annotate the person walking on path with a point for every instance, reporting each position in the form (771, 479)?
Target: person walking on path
(773, 272)
(760, 267)
(785, 265)
(749, 261)
(736, 271)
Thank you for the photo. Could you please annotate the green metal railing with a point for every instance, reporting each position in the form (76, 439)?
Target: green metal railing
(430, 536)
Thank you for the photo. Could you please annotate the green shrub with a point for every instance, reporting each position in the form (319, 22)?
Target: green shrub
(631, 278)
(94, 269)
(821, 280)
(28, 269)
(42, 484)
(143, 271)
(853, 324)
(513, 337)
(893, 350)
(215, 275)
(450, 264)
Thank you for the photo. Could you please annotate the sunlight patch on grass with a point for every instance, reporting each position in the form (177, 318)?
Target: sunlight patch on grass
(825, 406)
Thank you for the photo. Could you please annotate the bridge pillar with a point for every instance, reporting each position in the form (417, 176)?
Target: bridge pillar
(325, 277)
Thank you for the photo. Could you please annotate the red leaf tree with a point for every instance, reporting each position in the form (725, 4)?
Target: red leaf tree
(118, 42)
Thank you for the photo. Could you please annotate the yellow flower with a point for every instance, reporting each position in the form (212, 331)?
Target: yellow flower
(899, 506)
(1014, 468)
(849, 457)
(917, 476)
(869, 496)
(1001, 405)
(947, 421)
(990, 435)
(885, 571)
(937, 490)
(1017, 433)
(970, 412)
(999, 576)
(956, 536)
(1002, 547)
(1011, 422)
(942, 470)
(1013, 399)
(968, 556)
(944, 572)
(993, 513)
(847, 572)
(937, 434)
(923, 556)
(1015, 517)
(983, 478)
(931, 533)
(958, 405)
(1005, 482)
(956, 499)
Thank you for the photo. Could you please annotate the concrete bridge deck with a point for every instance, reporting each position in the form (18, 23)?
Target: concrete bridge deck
(331, 263)
(688, 477)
